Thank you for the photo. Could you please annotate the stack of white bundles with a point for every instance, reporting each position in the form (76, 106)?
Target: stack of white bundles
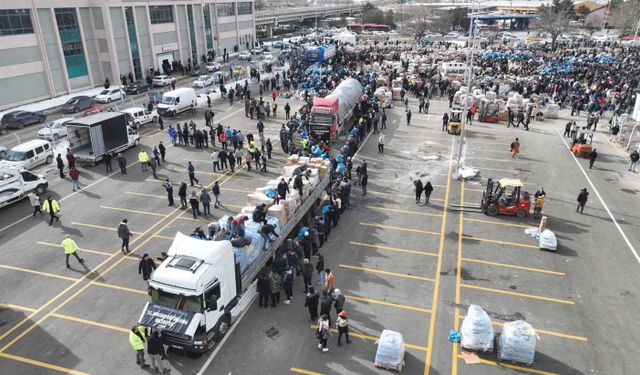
(292, 203)
(257, 198)
(491, 95)
(279, 212)
(288, 170)
(293, 159)
(477, 332)
(248, 210)
(517, 342)
(303, 160)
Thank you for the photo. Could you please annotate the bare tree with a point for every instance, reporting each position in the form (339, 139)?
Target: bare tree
(554, 19)
(625, 15)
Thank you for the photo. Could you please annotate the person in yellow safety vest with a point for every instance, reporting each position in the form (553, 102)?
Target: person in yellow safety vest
(51, 207)
(137, 338)
(70, 248)
(143, 158)
(305, 143)
(252, 147)
(537, 209)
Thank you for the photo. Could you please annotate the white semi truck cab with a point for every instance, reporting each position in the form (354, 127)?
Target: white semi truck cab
(199, 291)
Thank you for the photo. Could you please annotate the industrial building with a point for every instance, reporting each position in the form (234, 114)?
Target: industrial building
(54, 47)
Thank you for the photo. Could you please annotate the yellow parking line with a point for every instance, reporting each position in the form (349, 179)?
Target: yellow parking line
(146, 195)
(46, 365)
(164, 237)
(132, 211)
(125, 289)
(39, 273)
(501, 151)
(390, 304)
(377, 246)
(492, 159)
(484, 181)
(474, 190)
(514, 171)
(385, 272)
(545, 332)
(401, 195)
(305, 372)
(524, 295)
(514, 367)
(100, 227)
(239, 190)
(16, 307)
(404, 211)
(500, 223)
(81, 249)
(400, 228)
(90, 322)
(513, 266)
(373, 338)
(500, 242)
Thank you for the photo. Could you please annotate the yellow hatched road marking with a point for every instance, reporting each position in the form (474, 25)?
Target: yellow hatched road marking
(132, 211)
(81, 249)
(500, 223)
(524, 295)
(16, 307)
(90, 322)
(46, 365)
(390, 304)
(514, 367)
(404, 211)
(373, 338)
(305, 372)
(125, 289)
(400, 228)
(100, 227)
(513, 160)
(513, 266)
(514, 171)
(146, 195)
(377, 246)
(518, 244)
(385, 272)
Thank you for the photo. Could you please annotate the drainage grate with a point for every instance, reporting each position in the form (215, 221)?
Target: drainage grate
(272, 332)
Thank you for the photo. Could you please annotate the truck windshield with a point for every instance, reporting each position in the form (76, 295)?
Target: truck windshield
(190, 303)
(16, 156)
(169, 100)
(322, 119)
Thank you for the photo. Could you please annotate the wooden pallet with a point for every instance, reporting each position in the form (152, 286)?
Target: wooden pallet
(385, 367)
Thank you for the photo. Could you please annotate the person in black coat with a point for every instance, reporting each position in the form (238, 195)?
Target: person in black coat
(325, 306)
(283, 190)
(107, 162)
(60, 165)
(338, 301)
(428, 189)
(419, 189)
(311, 303)
(156, 352)
(264, 290)
(146, 267)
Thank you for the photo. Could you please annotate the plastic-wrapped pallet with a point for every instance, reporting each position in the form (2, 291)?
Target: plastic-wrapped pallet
(288, 170)
(278, 211)
(248, 210)
(303, 160)
(251, 226)
(257, 198)
(491, 95)
(390, 353)
(293, 159)
(477, 331)
(517, 342)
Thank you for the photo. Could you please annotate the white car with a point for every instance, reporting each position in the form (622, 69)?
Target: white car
(55, 130)
(203, 81)
(162, 81)
(139, 116)
(213, 66)
(453, 35)
(267, 55)
(244, 55)
(603, 38)
(3, 152)
(268, 59)
(109, 95)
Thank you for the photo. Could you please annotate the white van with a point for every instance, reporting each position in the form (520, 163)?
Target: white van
(177, 101)
(29, 154)
(139, 116)
(16, 183)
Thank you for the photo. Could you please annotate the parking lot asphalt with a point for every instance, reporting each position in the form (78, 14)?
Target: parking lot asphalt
(403, 266)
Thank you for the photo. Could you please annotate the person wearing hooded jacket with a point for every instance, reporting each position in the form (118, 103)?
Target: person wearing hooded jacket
(125, 234)
(311, 303)
(264, 290)
(338, 302)
(343, 327)
(428, 189)
(419, 190)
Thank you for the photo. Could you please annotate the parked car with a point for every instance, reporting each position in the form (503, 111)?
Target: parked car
(29, 154)
(77, 104)
(203, 81)
(278, 44)
(3, 129)
(18, 119)
(199, 70)
(139, 116)
(55, 130)
(244, 55)
(213, 66)
(3, 152)
(136, 87)
(109, 95)
(162, 80)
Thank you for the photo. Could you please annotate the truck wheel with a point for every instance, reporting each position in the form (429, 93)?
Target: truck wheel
(222, 328)
(49, 159)
(40, 190)
(136, 125)
(521, 213)
(492, 211)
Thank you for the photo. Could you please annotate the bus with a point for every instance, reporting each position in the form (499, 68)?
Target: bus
(488, 29)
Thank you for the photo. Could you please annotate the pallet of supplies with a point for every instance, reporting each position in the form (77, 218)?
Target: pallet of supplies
(517, 343)
(390, 352)
(477, 331)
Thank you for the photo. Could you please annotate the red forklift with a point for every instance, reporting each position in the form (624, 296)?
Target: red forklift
(505, 197)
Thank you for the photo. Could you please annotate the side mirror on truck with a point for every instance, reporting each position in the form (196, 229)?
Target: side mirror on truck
(212, 303)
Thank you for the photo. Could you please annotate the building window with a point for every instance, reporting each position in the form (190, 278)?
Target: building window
(71, 39)
(244, 8)
(161, 14)
(15, 21)
(133, 42)
(207, 25)
(226, 9)
(192, 35)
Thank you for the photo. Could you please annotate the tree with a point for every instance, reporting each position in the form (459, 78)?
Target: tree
(259, 5)
(583, 10)
(625, 15)
(389, 19)
(371, 14)
(554, 19)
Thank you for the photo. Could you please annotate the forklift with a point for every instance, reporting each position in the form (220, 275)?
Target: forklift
(502, 197)
(455, 122)
(489, 113)
(581, 145)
